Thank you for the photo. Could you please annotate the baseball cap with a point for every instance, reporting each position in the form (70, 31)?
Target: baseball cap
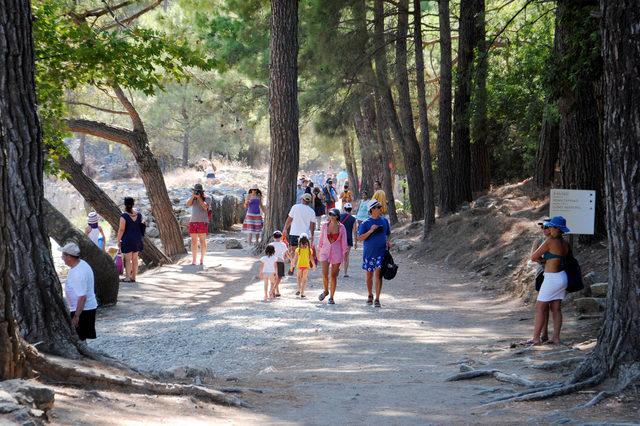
(334, 212)
(70, 248)
(277, 234)
(348, 206)
(306, 197)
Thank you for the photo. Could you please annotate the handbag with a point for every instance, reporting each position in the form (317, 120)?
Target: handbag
(389, 268)
(539, 279)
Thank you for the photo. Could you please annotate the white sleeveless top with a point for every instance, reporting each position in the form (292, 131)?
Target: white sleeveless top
(94, 235)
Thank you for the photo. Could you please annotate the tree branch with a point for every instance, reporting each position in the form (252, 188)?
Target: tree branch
(101, 130)
(79, 18)
(110, 111)
(131, 110)
(123, 22)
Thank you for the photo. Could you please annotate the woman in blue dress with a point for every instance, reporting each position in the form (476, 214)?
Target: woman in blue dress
(374, 232)
(130, 239)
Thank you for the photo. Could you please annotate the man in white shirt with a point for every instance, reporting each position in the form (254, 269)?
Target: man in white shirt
(301, 220)
(80, 293)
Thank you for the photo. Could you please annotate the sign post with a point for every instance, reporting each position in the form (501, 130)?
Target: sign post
(578, 207)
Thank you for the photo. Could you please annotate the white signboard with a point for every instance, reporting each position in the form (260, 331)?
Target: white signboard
(578, 207)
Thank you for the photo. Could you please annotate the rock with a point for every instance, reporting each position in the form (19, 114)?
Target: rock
(30, 393)
(179, 372)
(232, 243)
(590, 279)
(8, 403)
(509, 254)
(588, 305)
(599, 289)
(152, 232)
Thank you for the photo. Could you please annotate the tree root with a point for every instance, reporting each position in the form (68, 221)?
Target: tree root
(470, 373)
(625, 383)
(74, 376)
(552, 365)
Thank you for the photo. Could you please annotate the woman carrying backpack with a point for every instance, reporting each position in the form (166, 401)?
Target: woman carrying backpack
(554, 251)
(375, 232)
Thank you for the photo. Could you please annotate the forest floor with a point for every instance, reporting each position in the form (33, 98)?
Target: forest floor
(299, 361)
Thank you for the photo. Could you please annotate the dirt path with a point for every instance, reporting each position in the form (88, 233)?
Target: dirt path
(302, 361)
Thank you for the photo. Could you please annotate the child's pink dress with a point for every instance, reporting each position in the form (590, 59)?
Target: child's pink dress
(332, 252)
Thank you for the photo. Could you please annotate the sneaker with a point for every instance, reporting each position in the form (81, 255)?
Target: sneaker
(331, 302)
(323, 295)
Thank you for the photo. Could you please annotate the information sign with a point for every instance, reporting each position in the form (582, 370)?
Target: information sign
(577, 206)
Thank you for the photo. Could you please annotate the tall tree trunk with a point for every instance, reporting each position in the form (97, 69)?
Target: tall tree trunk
(36, 295)
(410, 147)
(618, 350)
(385, 148)
(185, 137)
(283, 112)
(371, 156)
(81, 150)
(105, 206)
(425, 149)
(106, 279)
(480, 171)
(547, 153)
(150, 172)
(350, 162)
(580, 152)
(461, 105)
(445, 162)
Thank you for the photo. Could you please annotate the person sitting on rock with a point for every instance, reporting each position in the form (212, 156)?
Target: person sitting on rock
(80, 293)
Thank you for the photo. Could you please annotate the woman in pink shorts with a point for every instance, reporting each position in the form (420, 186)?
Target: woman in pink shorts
(331, 251)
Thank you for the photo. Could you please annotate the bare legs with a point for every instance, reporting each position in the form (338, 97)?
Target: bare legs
(269, 293)
(302, 280)
(542, 319)
(202, 239)
(346, 262)
(329, 282)
(378, 278)
(131, 265)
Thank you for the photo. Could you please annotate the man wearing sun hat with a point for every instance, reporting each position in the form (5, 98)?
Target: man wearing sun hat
(80, 293)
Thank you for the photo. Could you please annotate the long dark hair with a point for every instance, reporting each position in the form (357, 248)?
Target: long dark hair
(128, 205)
(303, 242)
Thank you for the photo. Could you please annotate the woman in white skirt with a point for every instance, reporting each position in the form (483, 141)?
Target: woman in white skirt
(554, 287)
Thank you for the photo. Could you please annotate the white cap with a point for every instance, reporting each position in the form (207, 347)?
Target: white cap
(71, 248)
(347, 206)
(304, 235)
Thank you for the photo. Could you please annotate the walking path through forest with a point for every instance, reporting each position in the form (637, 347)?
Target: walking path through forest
(302, 361)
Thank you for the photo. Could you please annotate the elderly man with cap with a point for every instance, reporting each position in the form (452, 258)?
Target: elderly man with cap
(199, 221)
(374, 232)
(80, 292)
(301, 220)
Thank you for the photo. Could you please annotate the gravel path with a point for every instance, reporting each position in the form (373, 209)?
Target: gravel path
(316, 363)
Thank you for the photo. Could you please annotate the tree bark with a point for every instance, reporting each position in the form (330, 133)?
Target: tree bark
(480, 171)
(105, 206)
(384, 146)
(547, 153)
(371, 157)
(350, 162)
(423, 120)
(283, 113)
(106, 279)
(152, 177)
(447, 200)
(81, 150)
(580, 151)
(185, 138)
(618, 350)
(410, 148)
(462, 102)
(36, 295)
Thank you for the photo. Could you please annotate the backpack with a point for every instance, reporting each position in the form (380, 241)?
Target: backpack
(328, 198)
(574, 274)
(389, 268)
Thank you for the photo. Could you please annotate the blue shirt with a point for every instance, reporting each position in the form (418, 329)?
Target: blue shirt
(348, 224)
(376, 244)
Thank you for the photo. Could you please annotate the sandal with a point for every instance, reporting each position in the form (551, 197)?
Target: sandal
(377, 304)
(297, 293)
(370, 299)
(302, 296)
(277, 294)
(323, 295)
(126, 280)
(331, 302)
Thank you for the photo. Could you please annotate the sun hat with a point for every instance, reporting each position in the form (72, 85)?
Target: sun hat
(70, 248)
(334, 212)
(347, 206)
(557, 222)
(92, 218)
(253, 187)
(372, 204)
(306, 196)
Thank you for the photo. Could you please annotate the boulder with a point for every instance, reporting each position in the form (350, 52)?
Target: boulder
(233, 243)
(599, 289)
(152, 232)
(29, 393)
(590, 279)
(589, 305)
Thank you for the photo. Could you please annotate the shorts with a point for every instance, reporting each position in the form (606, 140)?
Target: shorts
(198, 227)
(293, 240)
(86, 328)
(372, 263)
(280, 269)
(302, 268)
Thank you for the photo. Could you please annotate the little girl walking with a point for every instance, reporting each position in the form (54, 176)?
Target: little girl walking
(303, 259)
(268, 272)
